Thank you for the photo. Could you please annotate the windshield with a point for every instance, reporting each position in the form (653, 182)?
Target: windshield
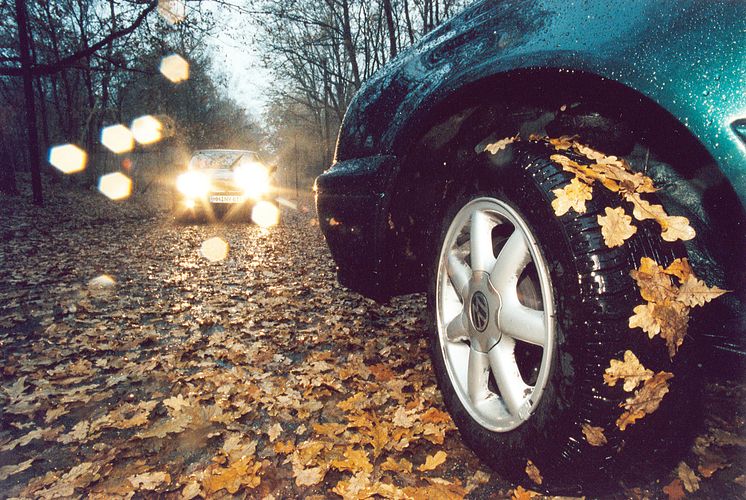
(220, 159)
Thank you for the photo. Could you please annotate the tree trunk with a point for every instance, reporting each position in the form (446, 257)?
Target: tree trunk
(28, 91)
(391, 28)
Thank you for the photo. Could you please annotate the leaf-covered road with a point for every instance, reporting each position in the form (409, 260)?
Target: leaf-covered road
(256, 375)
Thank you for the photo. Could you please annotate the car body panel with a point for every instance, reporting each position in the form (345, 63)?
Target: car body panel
(685, 55)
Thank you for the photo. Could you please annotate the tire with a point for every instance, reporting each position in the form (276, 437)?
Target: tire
(535, 398)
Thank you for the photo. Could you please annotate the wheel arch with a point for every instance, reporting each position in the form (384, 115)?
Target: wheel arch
(431, 147)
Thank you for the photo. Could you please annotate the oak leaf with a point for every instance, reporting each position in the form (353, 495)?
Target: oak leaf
(310, 476)
(242, 473)
(520, 493)
(354, 461)
(680, 268)
(433, 461)
(644, 317)
(645, 400)
(532, 471)
(616, 227)
(630, 370)
(673, 318)
(694, 292)
(563, 143)
(674, 490)
(402, 465)
(274, 432)
(149, 480)
(594, 435)
(573, 195)
(284, 447)
(688, 478)
(8, 470)
(500, 145)
(655, 285)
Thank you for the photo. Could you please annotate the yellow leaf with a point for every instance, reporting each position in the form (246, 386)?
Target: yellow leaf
(616, 227)
(680, 268)
(402, 465)
(500, 145)
(630, 370)
(573, 195)
(520, 493)
(532, 471)
(644, 210)
(594, 435)
(284, 447)
(240, 473)
(645, 401)
(563, 143)
(677, 228)
(432, 461)
(694, 292)
(673, 318)
(355, 461)
(330, 429)
(644, 318)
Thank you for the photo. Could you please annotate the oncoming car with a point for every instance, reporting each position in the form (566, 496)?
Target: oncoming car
(222, 182)
(566, 181)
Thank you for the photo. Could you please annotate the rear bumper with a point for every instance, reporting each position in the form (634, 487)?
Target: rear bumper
(352, 200)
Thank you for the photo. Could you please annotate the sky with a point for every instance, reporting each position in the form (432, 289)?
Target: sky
(236, 57)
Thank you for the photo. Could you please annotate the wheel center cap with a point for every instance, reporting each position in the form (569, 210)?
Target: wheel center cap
(479, 311)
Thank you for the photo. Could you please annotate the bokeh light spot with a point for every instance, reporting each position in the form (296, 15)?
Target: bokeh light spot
(173, 11)
(215, 249)
(265, 214)
(115, 186)
(146, 129)
(175, 68)
(117, 138)
(103, 281)
(68, 158)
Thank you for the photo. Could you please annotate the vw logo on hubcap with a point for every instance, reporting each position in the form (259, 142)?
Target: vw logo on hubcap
(479, 311)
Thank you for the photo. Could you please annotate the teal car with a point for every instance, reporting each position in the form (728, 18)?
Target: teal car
(566, 181)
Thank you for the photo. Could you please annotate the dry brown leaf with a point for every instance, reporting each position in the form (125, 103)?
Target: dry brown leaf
(149, 480)
(630, 370)
(274, 431)
(674, 490)
(645, 401)
(284, 447)
(330, 429)
(694, 292)
(435, 416)
(680, 268)
(563, 143)
(501, 144)
(8, 470)
(673, 318)
(532, 471)
(354, 461)
(573, 195)
(616, 227)
(310, 476)
(242, 473)
(402, 465)
(676, 227)
(594, 435)
(688, 478)
(655, 285)
(520, 493)
(432, 461)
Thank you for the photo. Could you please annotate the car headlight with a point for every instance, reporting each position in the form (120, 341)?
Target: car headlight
(252, 178)
(193, 184)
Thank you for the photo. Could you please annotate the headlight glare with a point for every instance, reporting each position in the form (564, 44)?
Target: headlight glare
(253, 178)
(193, 184)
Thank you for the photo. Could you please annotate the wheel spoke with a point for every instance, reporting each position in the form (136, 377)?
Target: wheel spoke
(482, 253)
(522, 323)
(513, 389)
(478, 376)
(459, 273)
(512, 260)
(457, 329)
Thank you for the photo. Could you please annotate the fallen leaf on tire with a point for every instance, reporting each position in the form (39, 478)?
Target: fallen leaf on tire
(674, 490)
(563, 143)
(594, 435)
(630, 370)
(532, 471)
(644, 317)
(654, 284)
(520, 493)
(645, 401)
(673, 227)
(616, 227)
(573, 195)
(694, 292)
(688, 478)
(500, 145)
(673, 318)
(432, 461)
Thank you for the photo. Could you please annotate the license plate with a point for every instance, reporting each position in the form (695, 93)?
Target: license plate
(225, 199)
